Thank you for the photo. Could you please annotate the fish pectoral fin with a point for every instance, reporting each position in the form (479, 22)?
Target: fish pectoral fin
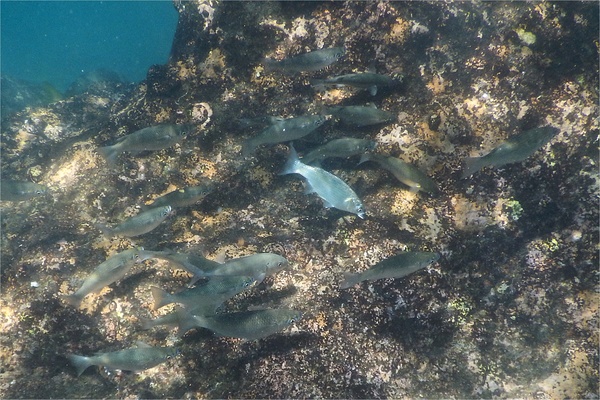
(308, 188)
(327, 204)
(373, 90)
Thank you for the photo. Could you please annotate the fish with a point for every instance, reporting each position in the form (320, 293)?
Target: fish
(284, 131)
(156, 137)
(406, 173)
(211, 294)
(343, 147)
(334, 191)
(171, 319)
(20, 191)
(397, 266)
(311, 61)
(132, 359)
(111, 270)
(249, 325)
(258, 122)
(139, 224)
(360, 115)
(183, 197)
(192, 263)
(364, 80)
(256, 265)
(515, 149)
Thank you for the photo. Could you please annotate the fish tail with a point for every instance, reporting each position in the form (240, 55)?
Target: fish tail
(195, 279)
(269, 64)
(472, 165)
(106, 231)
(248, 148)
(349, 280)
(161, 298)
(185, 321)
(318, 84)
(73, 300)
(147, 323)
(364, 158)
(109, 153)
(292, 162)
(81, 363)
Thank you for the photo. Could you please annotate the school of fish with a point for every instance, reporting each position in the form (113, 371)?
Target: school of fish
(215, 281)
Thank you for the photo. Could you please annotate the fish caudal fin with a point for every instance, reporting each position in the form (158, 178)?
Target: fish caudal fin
(109, 153)
(72, 300)
(147, 323)
(472, 165)
(106, 231)
(161, 298)
(195, 279)
(364, 158)
(318, 84)
(81, 363)
(292, 162)
(349, 280)
(185, 320)
(269, 64)
(248, 148)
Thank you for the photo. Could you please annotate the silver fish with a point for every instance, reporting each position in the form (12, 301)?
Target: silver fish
(183, 197)
(408, 174)
(343, 147)
(311, 61)
(284, 131)
(515, 149)
(360, 115)
(208, 295)
(250, 325)
(111, 270)
(171, 319)
(19, 191)
(365, 80)
(192, 263)
(393, 267)
(258, 122)
(139, 224)
(334, 191)
(132, 359)
(258, 265)
(156, 137)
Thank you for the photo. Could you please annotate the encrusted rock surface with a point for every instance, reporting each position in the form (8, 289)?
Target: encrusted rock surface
(511, 308)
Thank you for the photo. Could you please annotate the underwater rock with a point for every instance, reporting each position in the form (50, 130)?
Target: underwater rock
(509, 310)
(18, 94)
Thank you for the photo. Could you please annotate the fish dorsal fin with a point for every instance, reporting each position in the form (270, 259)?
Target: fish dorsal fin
(372, 105)
(141, 344)
(220, 258)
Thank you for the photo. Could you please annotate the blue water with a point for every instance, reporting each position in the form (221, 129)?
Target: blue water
(57, 41)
